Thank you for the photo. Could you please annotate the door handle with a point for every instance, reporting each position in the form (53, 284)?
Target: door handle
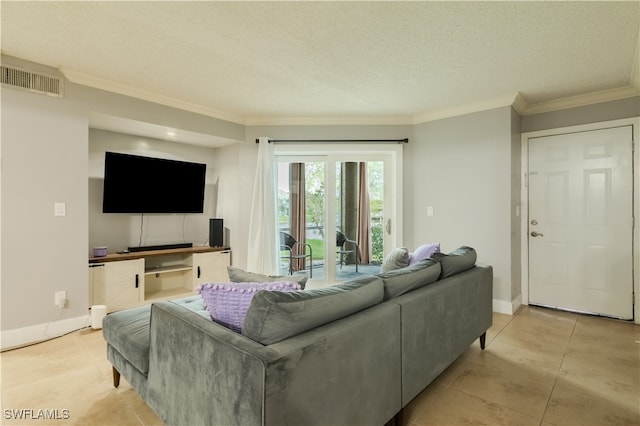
(388, 226)
(536, 234)
(198, 272)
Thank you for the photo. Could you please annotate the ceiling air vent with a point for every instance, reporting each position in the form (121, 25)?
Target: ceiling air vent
(32, 81)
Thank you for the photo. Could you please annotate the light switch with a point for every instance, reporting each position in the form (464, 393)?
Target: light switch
(60, 209)
(430, 211)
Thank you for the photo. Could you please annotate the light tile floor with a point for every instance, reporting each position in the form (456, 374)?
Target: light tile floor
(540, 367)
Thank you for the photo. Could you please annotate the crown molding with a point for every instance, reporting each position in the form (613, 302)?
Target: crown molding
(520, 104)
(582, 100)
(501, 101)
(327, 121)
(122, 89)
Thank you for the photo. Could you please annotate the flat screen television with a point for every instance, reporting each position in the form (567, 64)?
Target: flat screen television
(137, 184)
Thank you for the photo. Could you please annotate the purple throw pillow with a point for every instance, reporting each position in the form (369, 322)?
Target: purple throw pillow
(228, 303)
(424, 252)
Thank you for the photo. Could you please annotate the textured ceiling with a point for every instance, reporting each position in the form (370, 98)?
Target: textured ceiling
(252, 61)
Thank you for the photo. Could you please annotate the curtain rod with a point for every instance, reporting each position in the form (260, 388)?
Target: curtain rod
(405, 140)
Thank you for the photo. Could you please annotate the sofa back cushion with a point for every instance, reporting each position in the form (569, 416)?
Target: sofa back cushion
(237, 275)
(404, 280)
(459, 260)
(274, 316)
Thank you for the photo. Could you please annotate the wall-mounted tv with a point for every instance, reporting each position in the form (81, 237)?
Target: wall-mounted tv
(137, 184)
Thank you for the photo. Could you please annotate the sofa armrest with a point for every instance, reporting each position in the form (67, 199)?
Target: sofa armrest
(439, 322)
(202, 373)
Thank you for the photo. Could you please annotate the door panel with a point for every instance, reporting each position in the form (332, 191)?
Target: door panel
(301, 214)
(580, 221)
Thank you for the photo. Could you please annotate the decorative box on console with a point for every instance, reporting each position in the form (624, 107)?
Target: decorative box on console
(99, 251)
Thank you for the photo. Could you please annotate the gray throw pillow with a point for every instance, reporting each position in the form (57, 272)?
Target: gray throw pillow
(237, 275)
(274, 316)
(396, 259)
(410, 278)
(459, 260)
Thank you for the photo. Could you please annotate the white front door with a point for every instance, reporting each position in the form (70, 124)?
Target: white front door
(580, 221)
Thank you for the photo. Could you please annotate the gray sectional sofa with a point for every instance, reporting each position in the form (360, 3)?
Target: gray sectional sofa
(350, 354)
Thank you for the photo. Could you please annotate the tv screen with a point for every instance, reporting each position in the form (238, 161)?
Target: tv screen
(136, 184)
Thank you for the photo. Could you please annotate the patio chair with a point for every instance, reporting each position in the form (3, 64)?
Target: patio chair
(297, 250)
(341, 241)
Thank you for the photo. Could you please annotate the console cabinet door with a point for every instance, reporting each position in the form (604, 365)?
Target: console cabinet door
(211, 267)
(117, 284)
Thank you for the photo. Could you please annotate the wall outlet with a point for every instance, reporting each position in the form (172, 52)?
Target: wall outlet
(60, 298)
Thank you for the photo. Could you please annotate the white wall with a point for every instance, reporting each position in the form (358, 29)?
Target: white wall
(44, 160)
(593, 113)
(461, 167)
(119, 231)
(516, 211)
(236, 165)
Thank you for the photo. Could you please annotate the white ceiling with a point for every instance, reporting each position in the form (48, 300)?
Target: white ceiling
(340, 62)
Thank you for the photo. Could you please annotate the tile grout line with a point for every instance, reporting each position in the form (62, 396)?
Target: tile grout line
(450, 385)
(555, 381)
(512, 317)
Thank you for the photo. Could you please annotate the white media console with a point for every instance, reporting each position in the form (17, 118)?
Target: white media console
(125, 280)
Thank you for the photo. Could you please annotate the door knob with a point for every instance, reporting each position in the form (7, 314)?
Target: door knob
(536, 234)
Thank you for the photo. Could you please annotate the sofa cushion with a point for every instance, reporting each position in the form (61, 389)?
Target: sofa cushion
(459, 260)
(424, 252)
(410, 278)
(227, 303)
(128, 333)
(396, 259)
(274, 316)
(195, 304)
(238, 275)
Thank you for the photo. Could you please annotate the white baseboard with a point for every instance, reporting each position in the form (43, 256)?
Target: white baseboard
(516, 303)
(37, 333)
(509, 308)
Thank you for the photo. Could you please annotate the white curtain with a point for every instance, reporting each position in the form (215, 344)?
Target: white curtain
(263, 245)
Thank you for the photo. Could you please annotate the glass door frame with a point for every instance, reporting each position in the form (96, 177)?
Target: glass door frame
(330, 154)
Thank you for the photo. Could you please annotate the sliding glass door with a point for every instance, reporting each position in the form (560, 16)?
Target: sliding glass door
(335, 211)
